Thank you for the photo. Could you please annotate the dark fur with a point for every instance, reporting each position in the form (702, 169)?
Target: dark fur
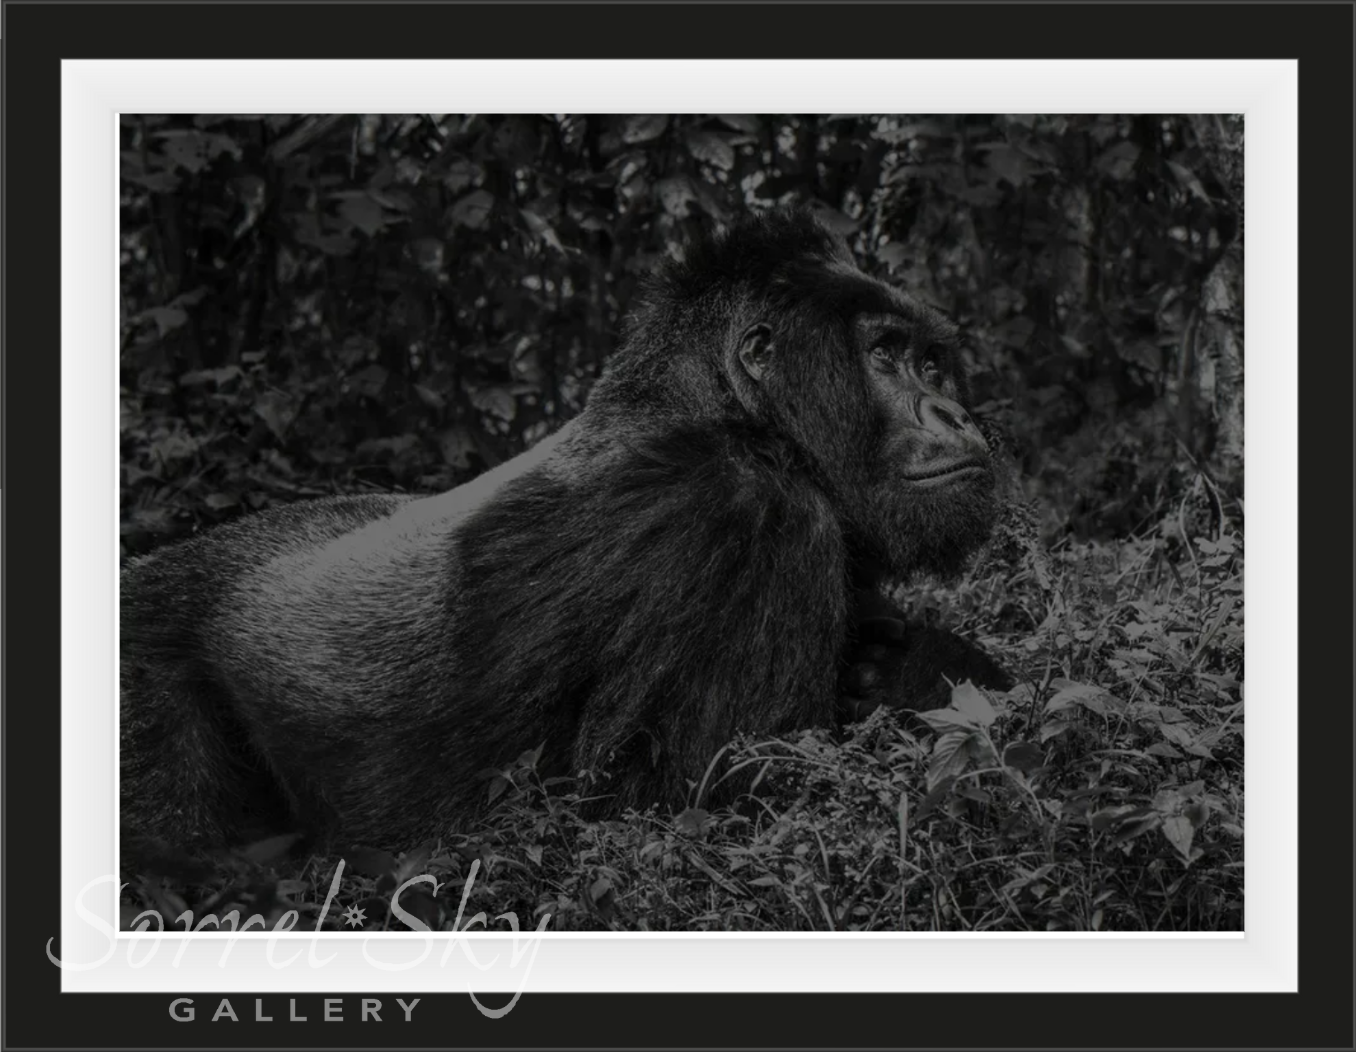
(899, 664)
(676, 567)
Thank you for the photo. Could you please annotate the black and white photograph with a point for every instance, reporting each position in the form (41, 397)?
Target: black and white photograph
(664, 524)
(683, 523)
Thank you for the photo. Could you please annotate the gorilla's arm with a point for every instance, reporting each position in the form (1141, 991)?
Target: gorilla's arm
(890, 661)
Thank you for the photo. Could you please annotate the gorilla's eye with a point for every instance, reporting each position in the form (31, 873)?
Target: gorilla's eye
(883, 355)
(930, 365)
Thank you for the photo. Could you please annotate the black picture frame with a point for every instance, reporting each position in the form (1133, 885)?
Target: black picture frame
(36, 36)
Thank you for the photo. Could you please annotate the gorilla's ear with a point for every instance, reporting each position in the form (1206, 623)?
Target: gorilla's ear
(755, 350)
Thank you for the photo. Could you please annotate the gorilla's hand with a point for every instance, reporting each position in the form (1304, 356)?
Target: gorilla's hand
(873, 667)
(891, 662)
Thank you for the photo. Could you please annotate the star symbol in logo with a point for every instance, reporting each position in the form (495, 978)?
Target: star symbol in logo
(354, 916)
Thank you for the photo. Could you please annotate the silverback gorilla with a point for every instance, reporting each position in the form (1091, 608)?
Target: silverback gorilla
(684, 561)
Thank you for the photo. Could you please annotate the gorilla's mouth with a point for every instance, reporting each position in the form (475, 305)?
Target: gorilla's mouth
(948, 471)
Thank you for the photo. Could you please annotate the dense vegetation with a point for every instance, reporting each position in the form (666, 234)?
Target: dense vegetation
(317, 305)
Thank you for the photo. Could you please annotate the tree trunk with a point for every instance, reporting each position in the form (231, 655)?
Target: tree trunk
(1220, 340)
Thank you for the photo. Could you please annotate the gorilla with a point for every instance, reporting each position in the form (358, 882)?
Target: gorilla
(694, 556)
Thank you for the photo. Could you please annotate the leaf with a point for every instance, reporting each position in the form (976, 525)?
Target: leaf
(892, 255)
(1080, 694)
(1226, 608)
(1107, 817)
(1148, 357)
(710, 199)
(461, 175)
(221, 376)
(693, 821)
(430, 397)
(643, 127)
(1118, 161)
(414, 863)
(975, 793)
(158, 182)
(516, 141)
(951, 755)
(1008, 164)
(1180, 832)
(362, 212)
(530, 757)
(174, 446)
(599, 888)
(712, 148)
(1179, 734)
(1141, 821)
(894, 135)
(1188, 179)
(194, 150)
(943, 720)
(473, 210)
(676, 194)
(967, 698)
(498, 786)
(542, 230)
(1030, 879)
(741, 122)
(935, 796)
(166, 319)
(835, 220)
(456, 446)
(1023, 756)
(277, 410)
(496, 402)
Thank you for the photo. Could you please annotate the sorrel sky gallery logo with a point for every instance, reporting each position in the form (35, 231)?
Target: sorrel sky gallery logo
(149, 925)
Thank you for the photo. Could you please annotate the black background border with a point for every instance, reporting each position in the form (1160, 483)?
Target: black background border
(37, 36)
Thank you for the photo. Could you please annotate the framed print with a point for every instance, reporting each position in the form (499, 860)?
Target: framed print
(761, 546)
